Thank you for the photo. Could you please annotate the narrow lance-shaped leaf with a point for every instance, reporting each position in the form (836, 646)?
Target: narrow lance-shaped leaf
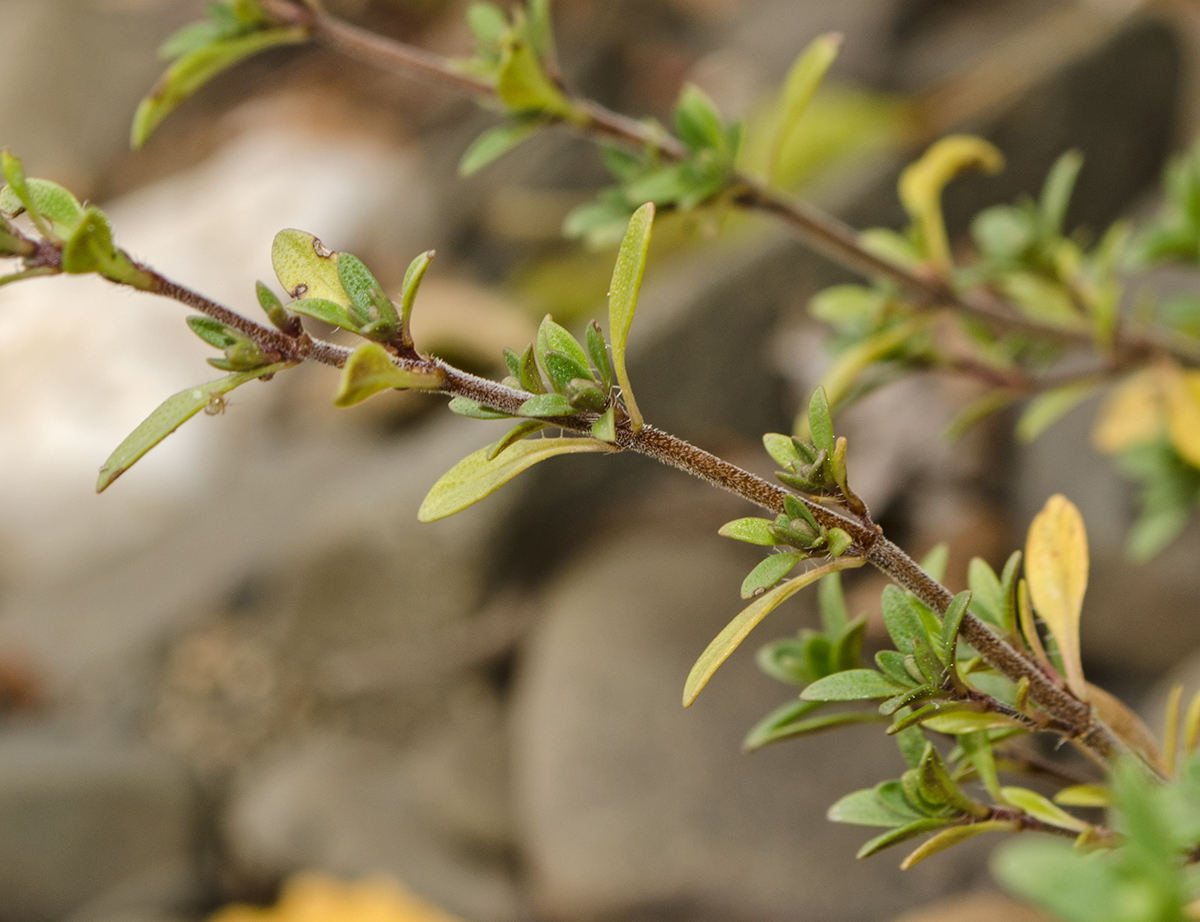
(169, 416)
(1040, 808)
(190, 72)
(801, 83)
(494, 144)
(412, 282)
(796, 719)
(1046, 409)
(1056, 568)
(922, 182)
(623, 297)
(370, 369)
(476, 477)
(953, 836)
(739, 628)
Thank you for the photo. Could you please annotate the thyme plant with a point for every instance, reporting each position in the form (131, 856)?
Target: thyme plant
(970, 678)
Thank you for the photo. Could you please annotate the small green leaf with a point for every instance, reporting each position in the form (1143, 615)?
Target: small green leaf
(698, 122)
(18, 185)
(190, 72)
(799, 87)
(987, 598)
(959, 722)
(978, 750)
(1040, 808)
(769, 571)
(820, 423)
(554, 338)
(487, 22)
(951, 621)
(791, 720)
(598, 352)
(273, 308)
(903, 834)
(623, 297)
(213, 332)
(586, 395)
(831, 602)
(868, 808)
(901, 618)
(515, 434)
(837, 541)
(736, 631)
(561, 369)
(751, 530)
(408, 295)
(1085, 795)
(605, 426)
(1003, 232)
(169, 416)
(370, 370)
(852, 307)
(891, 663)
(948, 838)
(494, 144)
(306, 268)
(512, 361)
(473, 410)
(546, 405)
(1056, 192)
(782, 449)
(1046, 409)
(1070, 885)
(475, 477)
(368, 303)
(934, 562)
(523, 86)
(91, 249)
(531, 378)
(326, 311)
(852, 685)
(50, 201)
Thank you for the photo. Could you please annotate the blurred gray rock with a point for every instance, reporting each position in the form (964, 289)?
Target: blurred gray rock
(80, 817)
(435, 815)
(630, 807)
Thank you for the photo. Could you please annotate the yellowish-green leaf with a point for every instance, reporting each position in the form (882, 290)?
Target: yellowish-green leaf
(190, 72)
(169, 416)
(1133, 414)
(751, 529)
(1046, 409)
(370, 370)
(18, 185)
(801, 83)
(1040, 808)
(1056, 568)
(50, 199)
(306, 268)
(922, 182)
(740, 627)
(1084, 795)
(494, 144)
(524, 87)
(623, 297)
(475, 477)
(91, 249)
(1183, 413)
(957, 722)
(954, 835)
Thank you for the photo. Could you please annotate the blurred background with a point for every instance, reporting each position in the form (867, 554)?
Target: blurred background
(247, 659)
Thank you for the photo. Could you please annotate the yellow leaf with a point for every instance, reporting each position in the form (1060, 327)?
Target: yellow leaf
(1132, 414)
(1183, 413)
(1056, 568)
(922, 182)
(312, 897)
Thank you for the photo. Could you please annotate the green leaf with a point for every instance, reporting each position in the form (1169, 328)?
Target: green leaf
(370, 370)
(605, 426)
(190, 72)
(586, 395)
(474, 410)
(959, 722)
(554, 338)
(868, 808)
(523, 86)
(273, 308)
(306, 268)
(537, 27)
(736, 631)
(901, 618)
(562, 369)
(623, 297)
(1003, 232)
(831, 602)
(487, 23)
(848, 307)
(367, 300)
(934, 562)
(213, 332)
(891, 663)
(987, 597)
(799, 87)
(475, 477)
(769, 571)
(1068, 884)
(531, 378)
(494, 144)
(951, 621)
(782, 449)
(326, 311)
(18, 185)
(515, 434)
(50, 200)
(903, 834)
(1040, 808)
(1085, 795)
(852, 685)
(412, 282)
(598, 352)
(751, 530)
(546, 405)
(1056, 192)
(948, 838)
(90, 249)
(169, 416)
(1046, 409)
(698, 122)
(788, 722)
(820, 423)
(978, 751)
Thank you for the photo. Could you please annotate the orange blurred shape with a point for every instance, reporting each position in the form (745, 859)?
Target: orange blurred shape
(315, 897)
